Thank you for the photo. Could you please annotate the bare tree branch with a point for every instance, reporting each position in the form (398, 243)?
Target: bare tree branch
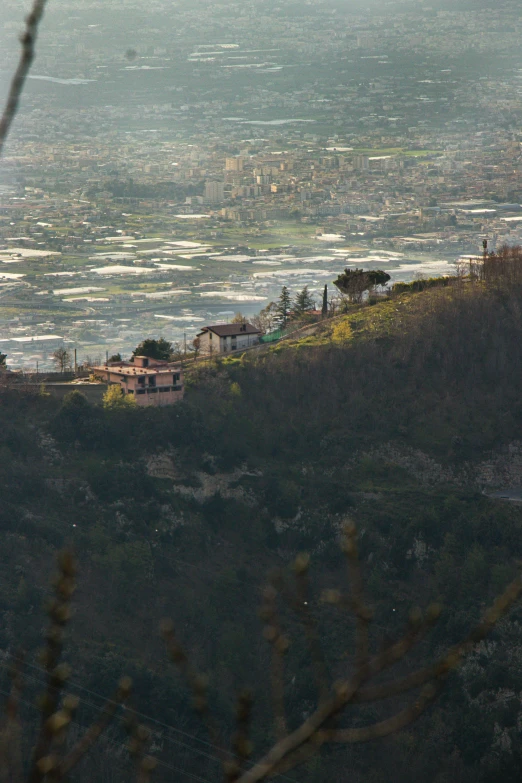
(391, 725)
(197, 683)
(362, 613)
(139, 738)
(451, 658)
(54, 721)
(377, 730)
(301, 755)
(10, 731)
(301, 568)
(15, 673)
(241, 744)
(28, 40)
(279, 644)
(96, 729)
(60, 723)
(313, 731)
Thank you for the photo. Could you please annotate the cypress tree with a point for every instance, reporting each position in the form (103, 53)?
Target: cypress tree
(283, 306)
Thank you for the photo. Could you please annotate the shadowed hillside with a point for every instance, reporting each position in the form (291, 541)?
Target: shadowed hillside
(398, 415)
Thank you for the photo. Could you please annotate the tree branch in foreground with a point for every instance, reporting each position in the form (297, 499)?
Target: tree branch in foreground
(28, 40)
(50, 759)
(294, 747)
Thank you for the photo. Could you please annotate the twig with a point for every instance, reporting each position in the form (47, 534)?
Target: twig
(301, 755)
(377, 730)
(197, 683)
(15, 673)
(301, 568)
(54, 721)
(393, 724)
(279, 644)
(241, 743)
(60, 723)
(139, 738)
(452, 658)
(96, 729)
(28, 40)
(10, 731)
(345, 691)
(362, 613)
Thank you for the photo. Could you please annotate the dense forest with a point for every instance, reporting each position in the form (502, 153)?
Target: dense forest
(401, 415)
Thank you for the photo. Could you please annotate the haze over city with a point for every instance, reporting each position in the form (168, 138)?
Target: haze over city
(174, 163)
(260, 371)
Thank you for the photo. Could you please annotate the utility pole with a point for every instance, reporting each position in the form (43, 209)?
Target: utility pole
(75, 362)
(185, 343)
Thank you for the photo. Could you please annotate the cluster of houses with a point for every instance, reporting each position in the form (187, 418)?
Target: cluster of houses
(156, 382)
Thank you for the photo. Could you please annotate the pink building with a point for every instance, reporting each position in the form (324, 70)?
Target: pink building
(150, 381)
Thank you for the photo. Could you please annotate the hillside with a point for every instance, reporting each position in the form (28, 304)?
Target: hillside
(400, 415)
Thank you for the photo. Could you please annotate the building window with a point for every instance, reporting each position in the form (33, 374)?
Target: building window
(140, 391)
(130, 391)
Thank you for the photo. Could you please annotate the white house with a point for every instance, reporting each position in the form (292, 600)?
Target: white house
(226, 338)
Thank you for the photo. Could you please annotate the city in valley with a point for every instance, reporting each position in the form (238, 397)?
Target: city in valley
(174, 165)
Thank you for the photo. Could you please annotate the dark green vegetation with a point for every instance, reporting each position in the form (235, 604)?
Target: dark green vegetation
(155, 349)
(181, 511)
(354, 282)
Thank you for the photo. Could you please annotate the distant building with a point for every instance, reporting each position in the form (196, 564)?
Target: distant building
(361, 162)
(45, 343)
(150, 381)
(227, 338)
(214, 192)
(234, 164)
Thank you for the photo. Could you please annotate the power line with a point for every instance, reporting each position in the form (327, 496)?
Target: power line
(97, 707)
(119, 745)
(198, 751)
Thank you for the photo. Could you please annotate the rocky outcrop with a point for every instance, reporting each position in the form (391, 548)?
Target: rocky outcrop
(219, 483)
(500, 470)
(207, 484)
(418, 464)
(163, 466)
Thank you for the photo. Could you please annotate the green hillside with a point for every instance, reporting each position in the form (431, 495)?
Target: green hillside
(400, 415)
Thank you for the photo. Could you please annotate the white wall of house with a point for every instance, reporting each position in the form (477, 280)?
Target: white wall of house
(240, 343)
(217, 344)
(208, 345)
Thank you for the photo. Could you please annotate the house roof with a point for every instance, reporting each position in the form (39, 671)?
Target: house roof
(126, 368)
(230, 330)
